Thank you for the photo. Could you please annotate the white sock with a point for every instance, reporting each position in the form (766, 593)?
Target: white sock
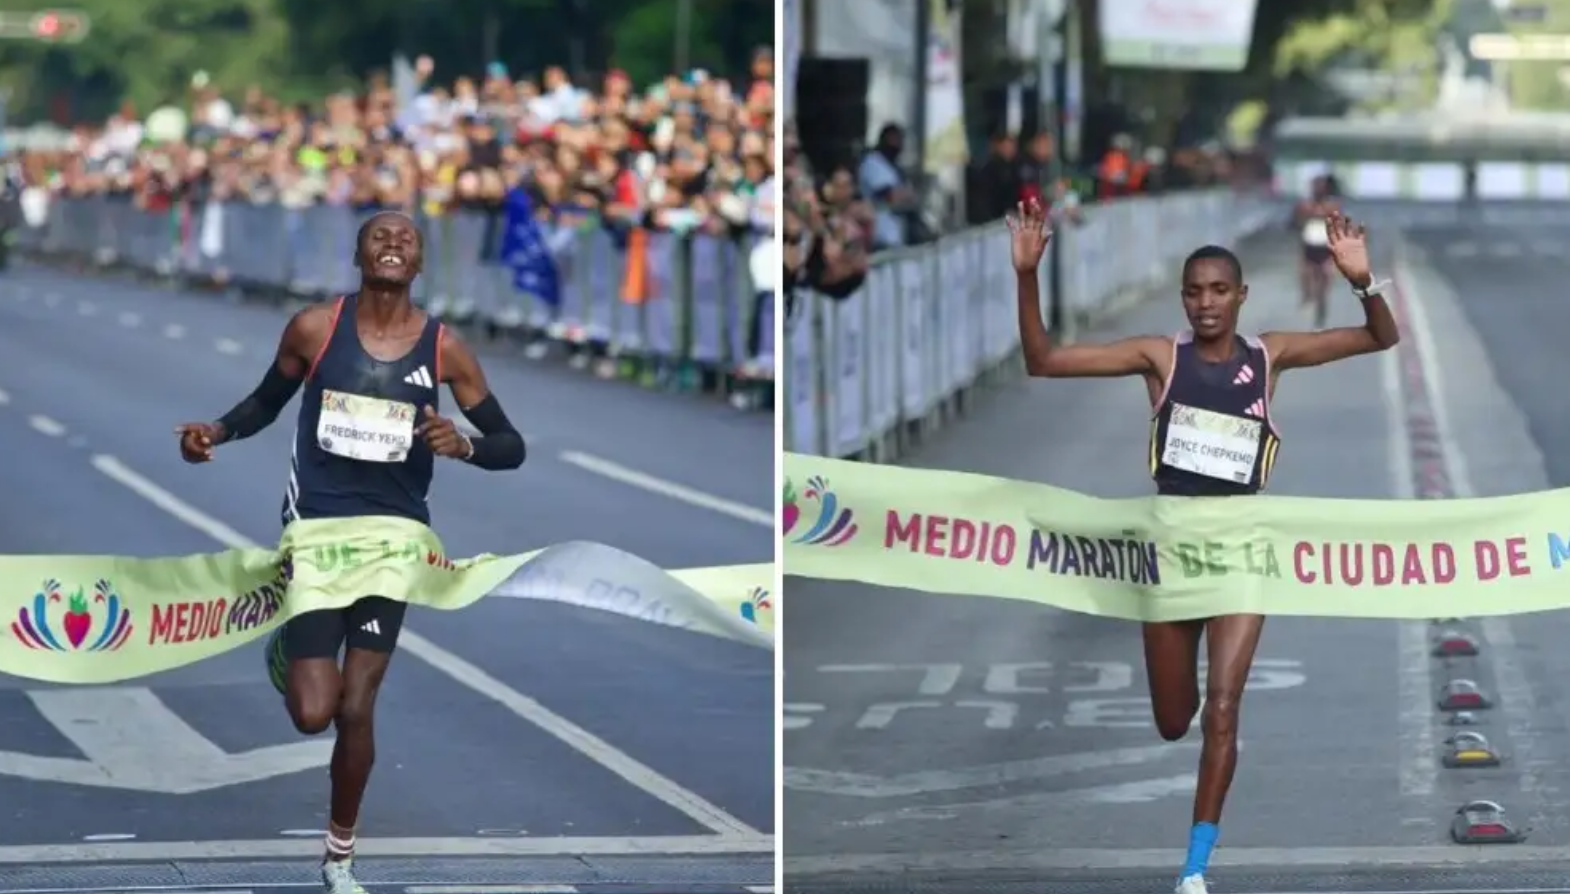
(340, 847)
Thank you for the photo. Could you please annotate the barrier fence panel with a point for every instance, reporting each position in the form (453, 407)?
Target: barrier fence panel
(682, 304)
(869, 373)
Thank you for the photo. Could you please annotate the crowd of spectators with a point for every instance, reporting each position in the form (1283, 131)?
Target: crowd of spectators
(836, 219)
(692, 151)
(1010, 173)
(829, 223)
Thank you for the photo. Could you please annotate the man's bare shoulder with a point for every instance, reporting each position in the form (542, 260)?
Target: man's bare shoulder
(311, 325)
(317, 316)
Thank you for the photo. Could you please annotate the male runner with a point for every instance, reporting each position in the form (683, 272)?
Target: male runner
(1209, 381)
(363, 359)
(1311, 217)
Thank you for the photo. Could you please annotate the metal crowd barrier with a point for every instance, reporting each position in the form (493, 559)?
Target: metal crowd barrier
(868, 375)
(684, 302)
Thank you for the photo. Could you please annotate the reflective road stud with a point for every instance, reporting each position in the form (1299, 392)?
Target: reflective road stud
(1470, 749)
(1484, 822)
(1462, 695)
(1455, 644)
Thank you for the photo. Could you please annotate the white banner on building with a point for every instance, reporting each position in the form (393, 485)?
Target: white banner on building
(1211, 35)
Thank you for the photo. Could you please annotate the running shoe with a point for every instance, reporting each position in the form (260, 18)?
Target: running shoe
(277, 662)
(338, 878)
(1193, 884)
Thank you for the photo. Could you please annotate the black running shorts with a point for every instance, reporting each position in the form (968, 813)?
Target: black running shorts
(372, 624)
(1316, 254)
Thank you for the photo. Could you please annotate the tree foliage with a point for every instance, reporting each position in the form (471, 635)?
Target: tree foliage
(1390, 36)
(147, 50)
(1538, 85)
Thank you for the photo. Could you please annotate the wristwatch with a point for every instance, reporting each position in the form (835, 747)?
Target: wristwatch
(1375, 287)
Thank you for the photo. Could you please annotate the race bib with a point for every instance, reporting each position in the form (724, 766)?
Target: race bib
(1215, 445)
(365, 428)
(1316, 233)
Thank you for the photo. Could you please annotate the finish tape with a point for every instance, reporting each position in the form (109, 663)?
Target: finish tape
(1174, 558)
(103, 619)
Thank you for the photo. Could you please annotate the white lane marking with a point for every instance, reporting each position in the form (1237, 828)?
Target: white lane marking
(579, 739)
(5, 397)
(174, 330)
(1457, 891)
(228, 346)
(415, 848)
(759, 889)
(678, 492)
(490, 889)
(87, 309)
(111, 836)
(1163, 859)
(1519, 705)
(301, 833)
(466, 673)
(123, 475)
(46, 426)
(1418, 767)
(130, 320)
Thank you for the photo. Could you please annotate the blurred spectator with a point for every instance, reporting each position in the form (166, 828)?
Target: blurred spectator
(1001, 180)
(1118, 175)
(1007, 177)
(1126, 168)
(829, 228)
(887, 187)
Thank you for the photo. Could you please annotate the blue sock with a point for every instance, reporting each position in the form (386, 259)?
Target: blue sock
(1201, 841)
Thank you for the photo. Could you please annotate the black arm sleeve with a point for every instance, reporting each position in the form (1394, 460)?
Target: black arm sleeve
(261, 407)
(500, 446)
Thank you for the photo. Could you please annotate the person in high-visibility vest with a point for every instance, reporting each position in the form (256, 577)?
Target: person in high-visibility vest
(1115, 175)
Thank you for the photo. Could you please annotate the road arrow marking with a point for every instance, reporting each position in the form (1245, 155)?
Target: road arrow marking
(131, 740)
(862, 785)
(1139, 791)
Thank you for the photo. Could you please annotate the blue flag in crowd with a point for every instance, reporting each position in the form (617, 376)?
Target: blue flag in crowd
(525, 253)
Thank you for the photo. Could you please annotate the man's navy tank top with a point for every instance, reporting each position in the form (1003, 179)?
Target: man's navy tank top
(355, 452)
(1211, 434)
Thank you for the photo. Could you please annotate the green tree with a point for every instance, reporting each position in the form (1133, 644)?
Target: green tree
(1396, 36)
(147, 50)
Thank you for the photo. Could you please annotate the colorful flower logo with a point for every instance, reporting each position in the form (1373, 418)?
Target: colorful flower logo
(77, 619)
(833, 525)
(757, 603)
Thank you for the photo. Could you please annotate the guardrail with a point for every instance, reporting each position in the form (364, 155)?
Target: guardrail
(869, 375)
(662, 308)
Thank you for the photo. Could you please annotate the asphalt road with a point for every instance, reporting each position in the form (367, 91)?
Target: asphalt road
(479, 752)
(1340, 786)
